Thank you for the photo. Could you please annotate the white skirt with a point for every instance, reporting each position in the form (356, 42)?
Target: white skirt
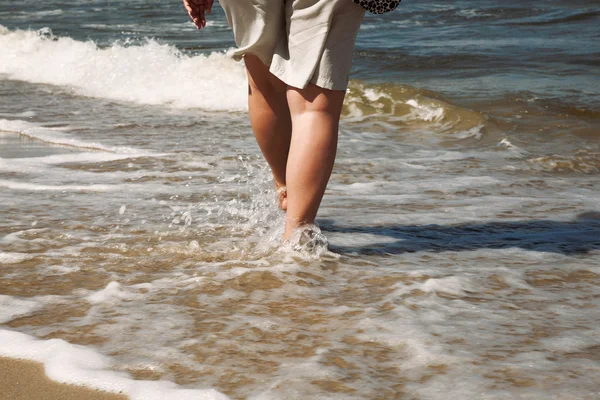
(302, 41)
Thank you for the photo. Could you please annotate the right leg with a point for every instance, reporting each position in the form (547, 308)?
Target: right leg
(315, 115)
(270, 119)
(258, 25)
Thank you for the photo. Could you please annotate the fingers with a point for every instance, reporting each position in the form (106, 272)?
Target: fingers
(206, 4)
(197, 9)
(192, 12)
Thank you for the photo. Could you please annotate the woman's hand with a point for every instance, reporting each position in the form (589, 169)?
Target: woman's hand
(197, 10)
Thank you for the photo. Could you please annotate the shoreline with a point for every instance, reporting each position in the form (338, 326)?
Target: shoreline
(26, 380)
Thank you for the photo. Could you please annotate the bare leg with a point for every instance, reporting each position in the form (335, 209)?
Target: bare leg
(270, 119)
(315, 114)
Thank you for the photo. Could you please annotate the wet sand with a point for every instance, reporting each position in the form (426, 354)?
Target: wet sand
(25, 380)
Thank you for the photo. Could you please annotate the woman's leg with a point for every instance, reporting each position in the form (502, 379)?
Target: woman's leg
(315, 115)
(270, 119)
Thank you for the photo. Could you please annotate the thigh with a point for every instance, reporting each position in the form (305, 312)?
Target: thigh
(315, 99)
(259, 77)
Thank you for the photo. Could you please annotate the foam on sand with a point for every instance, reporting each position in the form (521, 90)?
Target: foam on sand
(26, 380)
(82, 366)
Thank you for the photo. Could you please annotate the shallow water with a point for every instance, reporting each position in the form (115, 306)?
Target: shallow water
(463, 215)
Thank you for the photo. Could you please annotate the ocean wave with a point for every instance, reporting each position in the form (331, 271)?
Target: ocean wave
(581, 162)
(158, 74)
(554, 18)
(401, 106)
(150, 73)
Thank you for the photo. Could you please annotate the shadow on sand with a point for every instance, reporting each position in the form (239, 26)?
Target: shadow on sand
(579, 236)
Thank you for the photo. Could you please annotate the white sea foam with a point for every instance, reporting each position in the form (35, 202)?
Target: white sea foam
(424, 112)
(40, 165)
(58, 270)
(13, 258)
(59, 137)
(151, 73)
(11, 307)
(473, 13)
(474, 132)
(112, 292)
(505, 143)
(58, 188)
(451, 285)
(82, 366)
(573, 342)
(24, 114)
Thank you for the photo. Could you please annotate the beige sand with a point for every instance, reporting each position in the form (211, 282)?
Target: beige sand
(25, 380)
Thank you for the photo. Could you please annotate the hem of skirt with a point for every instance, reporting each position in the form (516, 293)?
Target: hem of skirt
(234, 54)
(320, 81)
(281, 74)
(238, 55)
(329, 84)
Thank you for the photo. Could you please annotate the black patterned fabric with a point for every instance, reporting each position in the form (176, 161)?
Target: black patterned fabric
(378, 6)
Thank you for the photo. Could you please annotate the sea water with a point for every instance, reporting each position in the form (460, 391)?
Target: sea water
(140, 238)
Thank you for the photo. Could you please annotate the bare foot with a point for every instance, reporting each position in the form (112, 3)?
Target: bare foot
(282, 197)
